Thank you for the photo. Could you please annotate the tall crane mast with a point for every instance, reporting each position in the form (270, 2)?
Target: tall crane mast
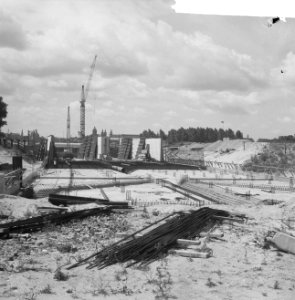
(68, 130)
(84, 94)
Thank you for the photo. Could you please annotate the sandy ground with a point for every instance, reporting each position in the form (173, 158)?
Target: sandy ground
(227, 151)
(240, 268)
(238, 154)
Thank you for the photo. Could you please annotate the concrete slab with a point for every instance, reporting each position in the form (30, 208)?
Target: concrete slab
(284, 242)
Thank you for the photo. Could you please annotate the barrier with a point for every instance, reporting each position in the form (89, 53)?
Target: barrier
(147, 203)
(250, 185)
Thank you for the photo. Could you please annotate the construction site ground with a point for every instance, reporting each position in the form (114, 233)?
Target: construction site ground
(226, 151)
(241, 267)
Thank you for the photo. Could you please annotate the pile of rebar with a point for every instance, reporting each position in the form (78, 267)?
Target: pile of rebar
(37, 223)
(150, 246)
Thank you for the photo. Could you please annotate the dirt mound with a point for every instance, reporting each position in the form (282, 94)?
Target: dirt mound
(235, 151)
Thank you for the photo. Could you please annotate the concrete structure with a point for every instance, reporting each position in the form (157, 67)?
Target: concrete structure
(135, 143)
(103, 146)
(155, 148)
(64, 147)
(122, 147)
(49, 139)
(284, 242)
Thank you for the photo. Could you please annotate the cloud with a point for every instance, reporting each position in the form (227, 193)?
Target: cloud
(157, 125)
(230, 103)
(105, 112)
(284, 74)
(139, 110)
(285, 119)
(7, 84)
(11, 33)
(147, 72)
(198, 63)
(59, 83)
(108, 103)
(169, 115)
(121, 61)
(42, 64)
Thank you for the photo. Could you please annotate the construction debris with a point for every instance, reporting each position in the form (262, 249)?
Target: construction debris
(190, 253)
(66, 200)
(148, 247)
(37, 223)
(212, 234)
(284, 242)
(186, 243)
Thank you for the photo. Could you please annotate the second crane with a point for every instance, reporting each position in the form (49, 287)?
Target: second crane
(84, 95)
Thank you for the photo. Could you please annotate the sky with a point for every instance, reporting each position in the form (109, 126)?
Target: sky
(155, 68)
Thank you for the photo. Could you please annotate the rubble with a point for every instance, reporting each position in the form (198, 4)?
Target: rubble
(37, 223)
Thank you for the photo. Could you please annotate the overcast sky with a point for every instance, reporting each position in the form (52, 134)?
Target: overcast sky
(155, 68)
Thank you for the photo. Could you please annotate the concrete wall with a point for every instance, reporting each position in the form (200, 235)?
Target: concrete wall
(49, 139)
(155, 145)
(103, 146)
(135, 143)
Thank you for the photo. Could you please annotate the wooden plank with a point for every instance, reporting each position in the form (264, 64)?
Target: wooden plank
(189, 253)
(185, 243)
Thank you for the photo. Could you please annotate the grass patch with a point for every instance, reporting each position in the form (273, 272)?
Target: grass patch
(46, 290)
(60, 276)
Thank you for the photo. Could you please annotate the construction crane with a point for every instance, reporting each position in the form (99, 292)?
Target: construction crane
(68, 130)
(84, 95)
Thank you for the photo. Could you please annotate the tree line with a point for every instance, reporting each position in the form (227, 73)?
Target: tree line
(280, 139)
(3, 113)
(199, 134)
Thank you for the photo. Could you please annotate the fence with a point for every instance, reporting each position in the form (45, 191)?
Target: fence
(146, 203)
(251, 185)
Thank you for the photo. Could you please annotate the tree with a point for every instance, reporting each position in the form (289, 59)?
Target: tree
(3, 112)
(162, 134)
(230, 134)
(239, 134)
(199, 134)
(172, 136)
(221, 134)
(148, 134)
